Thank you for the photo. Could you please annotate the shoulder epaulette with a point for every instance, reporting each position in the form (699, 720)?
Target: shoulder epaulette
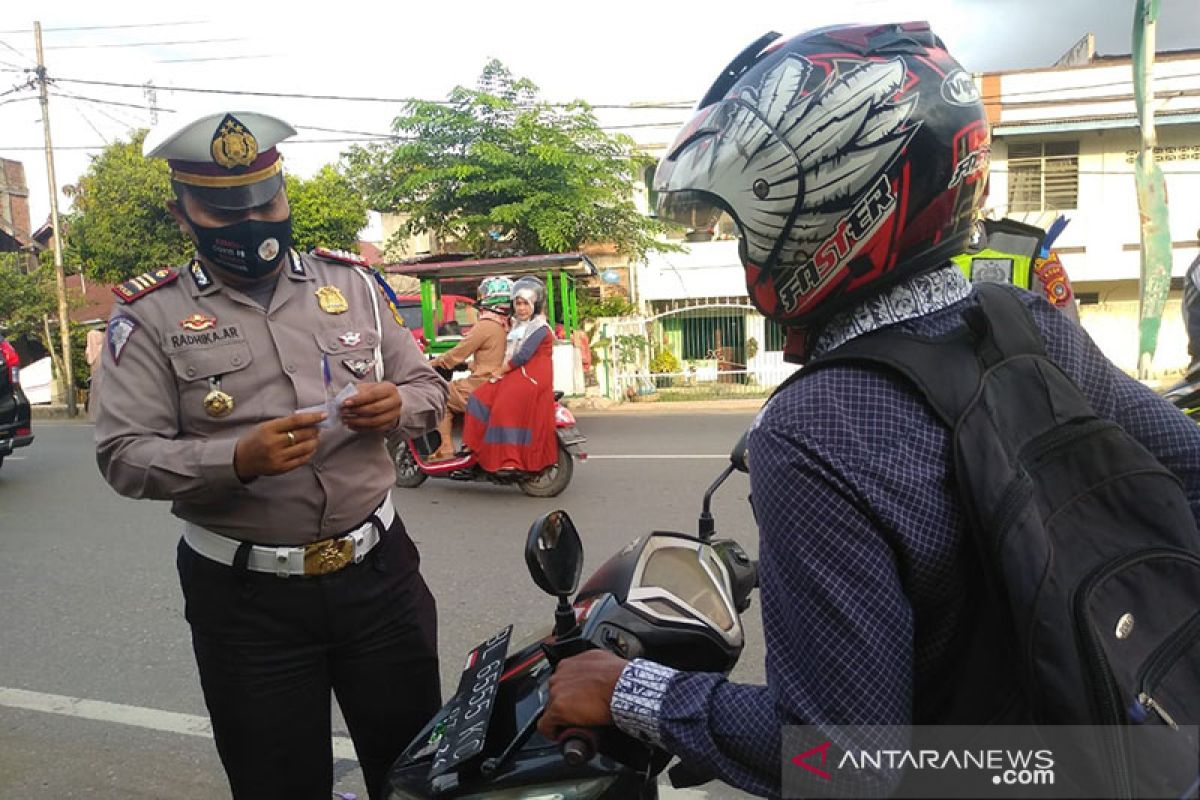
(340, 256)
(143, 284)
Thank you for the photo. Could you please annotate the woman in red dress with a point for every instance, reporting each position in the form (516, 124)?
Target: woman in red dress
(510, 420)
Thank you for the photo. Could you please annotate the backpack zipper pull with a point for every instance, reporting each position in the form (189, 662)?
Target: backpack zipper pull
(1150, 703)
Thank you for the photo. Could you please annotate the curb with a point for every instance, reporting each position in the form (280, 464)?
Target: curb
(55, 411)
(668, 407)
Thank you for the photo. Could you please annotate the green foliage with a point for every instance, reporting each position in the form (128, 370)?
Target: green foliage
(119, 226)
(751, 348)
(326, 211)
(497, 170)
(25, 299)
(630, 348)
(664, 361)
(612, 306)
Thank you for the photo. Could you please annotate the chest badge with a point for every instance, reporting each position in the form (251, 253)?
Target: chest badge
(198, 322)
(331, 300)
(359, 366)
(217, 403)
(350, 338)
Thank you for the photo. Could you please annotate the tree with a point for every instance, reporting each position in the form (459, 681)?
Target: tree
(25, 299)
(119, 225)
(326, 211)
(497, 170)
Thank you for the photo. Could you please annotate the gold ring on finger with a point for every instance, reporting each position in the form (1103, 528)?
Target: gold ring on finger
(291, 437)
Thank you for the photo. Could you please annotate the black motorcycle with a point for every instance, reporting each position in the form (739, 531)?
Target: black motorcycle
(1185, 395)
(670, 597)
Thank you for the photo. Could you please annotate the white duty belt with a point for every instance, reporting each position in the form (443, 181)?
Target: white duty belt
(317, 558)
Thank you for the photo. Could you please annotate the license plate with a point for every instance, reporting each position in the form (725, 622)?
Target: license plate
(466, 726)
(571, 435)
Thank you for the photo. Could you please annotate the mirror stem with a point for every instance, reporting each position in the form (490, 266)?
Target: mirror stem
(707, 525)
(564, 618)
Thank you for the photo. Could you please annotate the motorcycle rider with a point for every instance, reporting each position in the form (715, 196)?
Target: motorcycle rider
(853, 159)
(518, 408)
(484, 344)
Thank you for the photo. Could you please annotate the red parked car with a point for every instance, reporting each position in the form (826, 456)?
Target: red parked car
(458, 315)
(15, 428)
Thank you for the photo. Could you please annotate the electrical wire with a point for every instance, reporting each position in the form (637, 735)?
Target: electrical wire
(358, 99)
(141, 107)
(112, 27)
(15, 50)
(217, 58)
(90, 124)
(142, 44)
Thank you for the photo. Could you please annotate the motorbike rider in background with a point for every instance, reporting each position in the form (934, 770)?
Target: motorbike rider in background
(485, 345)
(510, 420)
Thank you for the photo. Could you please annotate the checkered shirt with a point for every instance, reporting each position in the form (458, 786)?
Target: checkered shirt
(860, 529)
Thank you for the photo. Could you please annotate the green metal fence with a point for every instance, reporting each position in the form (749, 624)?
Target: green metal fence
(701, 351)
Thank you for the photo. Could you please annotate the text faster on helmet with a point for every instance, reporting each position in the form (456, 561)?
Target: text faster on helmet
(849, 157)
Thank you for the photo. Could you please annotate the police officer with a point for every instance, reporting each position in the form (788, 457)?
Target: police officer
(297, 573)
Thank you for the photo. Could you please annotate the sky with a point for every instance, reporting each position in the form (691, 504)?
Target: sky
(616, 52)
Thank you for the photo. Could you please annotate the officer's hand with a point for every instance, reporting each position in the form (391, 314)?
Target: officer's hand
(581, 691)
(375, 407)
(269, 450)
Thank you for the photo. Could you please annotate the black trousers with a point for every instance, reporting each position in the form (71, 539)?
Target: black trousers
(270, 649)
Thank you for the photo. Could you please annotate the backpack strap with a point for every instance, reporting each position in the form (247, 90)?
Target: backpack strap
(946, 370)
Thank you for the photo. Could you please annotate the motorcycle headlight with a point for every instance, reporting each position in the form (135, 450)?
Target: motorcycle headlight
(569, 790)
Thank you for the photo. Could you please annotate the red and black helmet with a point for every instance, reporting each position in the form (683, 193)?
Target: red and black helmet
(849, 157)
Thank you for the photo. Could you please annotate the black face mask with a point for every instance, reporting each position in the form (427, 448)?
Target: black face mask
(249, 249)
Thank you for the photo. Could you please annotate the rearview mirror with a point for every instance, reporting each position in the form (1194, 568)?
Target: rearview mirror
(740, 457)
(554, 554)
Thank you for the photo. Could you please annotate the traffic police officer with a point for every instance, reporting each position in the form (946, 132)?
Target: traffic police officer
(297, 574)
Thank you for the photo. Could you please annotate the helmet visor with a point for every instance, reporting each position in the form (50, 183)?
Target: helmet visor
(689, 209)
(679, 204)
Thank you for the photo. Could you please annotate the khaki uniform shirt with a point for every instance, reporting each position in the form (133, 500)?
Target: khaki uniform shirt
(485, 341)
(155, 440)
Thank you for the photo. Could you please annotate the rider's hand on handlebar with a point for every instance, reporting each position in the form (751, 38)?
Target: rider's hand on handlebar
(581, 690)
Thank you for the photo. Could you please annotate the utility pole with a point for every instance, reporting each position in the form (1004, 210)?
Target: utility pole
(64, 322)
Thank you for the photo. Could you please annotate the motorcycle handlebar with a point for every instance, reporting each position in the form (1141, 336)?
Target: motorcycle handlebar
(578, 746)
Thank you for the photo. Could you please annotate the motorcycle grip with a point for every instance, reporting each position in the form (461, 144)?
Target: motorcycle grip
(578, 746)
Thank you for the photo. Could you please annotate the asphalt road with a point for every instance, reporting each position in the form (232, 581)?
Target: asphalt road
(98, 691)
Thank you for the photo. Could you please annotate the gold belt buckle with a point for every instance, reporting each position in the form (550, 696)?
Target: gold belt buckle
(321, 558)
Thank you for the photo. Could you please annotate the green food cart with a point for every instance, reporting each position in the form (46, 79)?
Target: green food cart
(559, 271)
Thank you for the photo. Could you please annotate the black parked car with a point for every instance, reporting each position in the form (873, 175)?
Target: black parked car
(15, 428)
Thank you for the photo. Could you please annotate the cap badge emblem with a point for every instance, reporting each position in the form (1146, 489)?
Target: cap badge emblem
(233, 145)
(332, 300)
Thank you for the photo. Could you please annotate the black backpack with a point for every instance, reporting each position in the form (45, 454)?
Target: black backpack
(1087, 542)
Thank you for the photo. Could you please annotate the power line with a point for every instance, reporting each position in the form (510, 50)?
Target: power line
(15, 50)
(141, 107)
(90, 124)
(110, 27)
(355, 99)
(217, 58)
(143, 44)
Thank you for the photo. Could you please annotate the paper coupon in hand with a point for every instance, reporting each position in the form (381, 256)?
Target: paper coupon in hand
(332, 406)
